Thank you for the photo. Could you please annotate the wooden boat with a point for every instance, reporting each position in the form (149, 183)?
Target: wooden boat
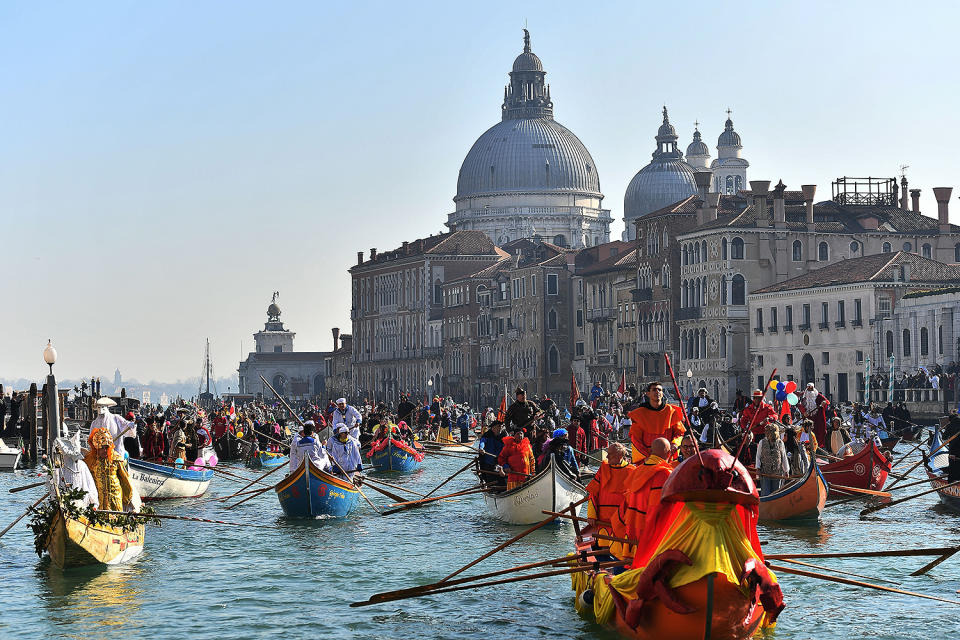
(889, 443)
(163, 482)
(268, 460)
(317, 493)
(9, 457)
(76, 543)
(949, 496)
(866, 469)
(550, 490)
(395, 456)
(801, 499)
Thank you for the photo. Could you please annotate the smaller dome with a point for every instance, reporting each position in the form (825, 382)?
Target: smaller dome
(698, 147)
(527, 61)
(666, 132)
(729, 137)
(273, 310)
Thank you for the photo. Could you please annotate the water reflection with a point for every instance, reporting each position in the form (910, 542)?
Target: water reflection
(91, 597)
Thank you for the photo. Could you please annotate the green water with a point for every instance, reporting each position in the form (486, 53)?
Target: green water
(295, 580)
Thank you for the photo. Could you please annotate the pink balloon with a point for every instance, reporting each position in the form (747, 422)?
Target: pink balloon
(213, 460)
(790, 387)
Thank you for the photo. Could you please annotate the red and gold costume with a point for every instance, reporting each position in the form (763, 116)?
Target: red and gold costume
(648, 424)
(519, 457)
(640, 504)
(113, 484)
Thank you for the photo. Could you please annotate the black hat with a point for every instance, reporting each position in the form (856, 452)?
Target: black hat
(520, 390)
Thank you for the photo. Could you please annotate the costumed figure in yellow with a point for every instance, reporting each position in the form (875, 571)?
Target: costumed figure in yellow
(109, 475)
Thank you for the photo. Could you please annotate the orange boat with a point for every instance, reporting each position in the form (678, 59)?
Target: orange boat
(801, 499)
(699, 571)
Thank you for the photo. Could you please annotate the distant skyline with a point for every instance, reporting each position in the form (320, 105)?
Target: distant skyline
(165, 167)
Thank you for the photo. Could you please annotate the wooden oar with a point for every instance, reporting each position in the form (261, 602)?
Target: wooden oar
(382, 491)
(561, 514)
(846, 573)
(242, 493)
(930, 455)
(519, 536)
(545, 574)
(904, 457)
(255, 480)
(444, 454)
(332, 459)
(866, 492)
(877, 507)
(888, 553)
(403, 506)
(505, 473)
(28, 486)
(855, 583)
(393, 486)
(464, 468)
(24, 514)
(185, 518)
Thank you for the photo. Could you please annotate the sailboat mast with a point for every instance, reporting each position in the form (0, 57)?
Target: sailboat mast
(207, 367)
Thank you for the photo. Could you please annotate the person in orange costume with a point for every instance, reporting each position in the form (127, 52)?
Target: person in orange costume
(641, 497)
(655, 419)
(607, 488)
(517, 458)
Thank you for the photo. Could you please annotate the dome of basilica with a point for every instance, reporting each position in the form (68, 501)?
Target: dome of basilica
(667, 179)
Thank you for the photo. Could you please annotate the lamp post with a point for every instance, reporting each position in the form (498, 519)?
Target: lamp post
(52, 412)
(689, 382)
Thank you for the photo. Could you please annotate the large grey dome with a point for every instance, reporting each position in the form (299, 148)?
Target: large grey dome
(657, 185)
(528, 155)
(527, 61)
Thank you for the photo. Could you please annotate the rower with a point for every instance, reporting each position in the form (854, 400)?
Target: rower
(688, 448)
(562, 453)
(655, 419)
(522, 411)
(345, 450)
(308, 447)
(641, 496)
(347, 416)
(606, 489)
(491, 444)
(516, 459)
(114, 491)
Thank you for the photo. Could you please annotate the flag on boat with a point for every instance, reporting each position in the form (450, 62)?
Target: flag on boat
(502, 411)
(622, 389)
(574, 391)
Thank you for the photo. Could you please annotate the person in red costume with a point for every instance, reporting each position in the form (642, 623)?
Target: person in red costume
(754, 415)
(813, 405)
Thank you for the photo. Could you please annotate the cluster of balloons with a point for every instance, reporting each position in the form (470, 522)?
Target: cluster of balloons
(785, 391)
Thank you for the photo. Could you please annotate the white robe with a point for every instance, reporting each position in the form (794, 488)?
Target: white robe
(76, 475)
(349, 417)
(311, 449)
(115, 425)
(347, 454)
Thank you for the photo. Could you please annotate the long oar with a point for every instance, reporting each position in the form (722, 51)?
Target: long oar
(878, 507)
(545, 574)
(254, 481)
(855, 583)
(888, 553)
(28, 486)
(519, 536)
(845, 573)
(24, 514)
(464, 468)
(384, 492)
(252, 495)
(242, 493)
(185, 518)
(866, 492)
(392, 486)
(403, 506)
(332, 459)
(904, 457)
(930, 455)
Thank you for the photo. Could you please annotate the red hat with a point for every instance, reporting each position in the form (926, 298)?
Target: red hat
(757, 392)
(129, 415)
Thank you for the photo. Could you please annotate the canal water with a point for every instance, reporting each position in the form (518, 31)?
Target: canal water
(295, 579)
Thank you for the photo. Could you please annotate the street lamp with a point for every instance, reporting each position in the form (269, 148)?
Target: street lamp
(52, 413)
(689, 381)
(50, 355)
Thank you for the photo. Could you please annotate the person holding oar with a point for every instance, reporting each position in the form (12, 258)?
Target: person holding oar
(491, 444)
(516, 460)
(345, 451)
(308, 446)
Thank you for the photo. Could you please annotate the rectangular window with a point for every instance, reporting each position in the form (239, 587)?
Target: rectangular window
(759, 327)
(859, 358)
(789, 359)
(788, 319)
(773, 318)
(843, 393)
(826, 385)
(553, 284)
(579, 349)
(760, 363)
(806, 317)
(858, 311)
(533, 284)
(760, 382)
(824, 312)
(859, 390)
(883, 307)
(825, 357)
(579, 317)
(841, 314)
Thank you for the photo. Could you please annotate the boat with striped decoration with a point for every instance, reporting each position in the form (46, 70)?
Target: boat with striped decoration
(309, 492)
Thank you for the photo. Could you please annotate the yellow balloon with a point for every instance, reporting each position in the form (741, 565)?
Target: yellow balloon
(239, 434)
(773, 384)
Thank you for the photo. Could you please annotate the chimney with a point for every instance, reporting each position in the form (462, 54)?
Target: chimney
(760, 190)
(915, 200)
(406, 247)
(359, 257)
(373, 253)
(710, 213)
(336, 338)
(809, 191)
(942, 194)
(703, 180)
(779, 206)
(903, 193)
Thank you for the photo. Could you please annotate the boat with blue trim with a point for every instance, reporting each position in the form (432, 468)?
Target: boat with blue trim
(391, 454)
(163, 482)
(304, 494)
(801, 499)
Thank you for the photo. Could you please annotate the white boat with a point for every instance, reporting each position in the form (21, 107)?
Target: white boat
(162, 482)
(550, 490)
(9, 457)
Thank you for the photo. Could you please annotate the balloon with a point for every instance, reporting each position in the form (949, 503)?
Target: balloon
(773, 384)
(779, 386)
(781, 396)
(213, 460)
(792, 399)
(239, 435)
(790, 387)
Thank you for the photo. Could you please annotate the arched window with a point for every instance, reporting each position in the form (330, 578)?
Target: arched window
(940, 340)
(823, 252)
(703, 344)
(723, 249)
(924, 341)
(683, 344)
(684, 295)
(554, 360)
(887, 248)
(723, 289)
(797, 251)
(730, 186)
(723, 342)
(552, 319)
(703, 250)
(437, 292)
(684, 254)
(696, 299)
(560, 240)
(889, 343)
(908, 247)
(906, 342)
(703, 290)
(926, 251)
(736, 249)
(696, 253)
(738, 294)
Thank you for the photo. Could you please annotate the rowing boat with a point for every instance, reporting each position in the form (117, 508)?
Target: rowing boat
(162, 482)
(865, 469)
(550, 490)
(889, 443)
(801, 499)
(268, 460)
(77, 543)
(936, 470)
(317, 493)
(393, 455)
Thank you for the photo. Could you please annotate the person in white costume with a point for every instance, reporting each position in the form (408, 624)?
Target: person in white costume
(346, 451)
(348, 416)
(307, 446)
(117, 427)
(74, 472)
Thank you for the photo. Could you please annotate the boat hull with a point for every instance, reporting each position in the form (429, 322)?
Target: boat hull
(549, 490)
(9, 460)
(802, 500)
(866, 469)
(75, 543)
(160, 482)
(270, 461)
(394, 458)
(307, 493)
(949, 496)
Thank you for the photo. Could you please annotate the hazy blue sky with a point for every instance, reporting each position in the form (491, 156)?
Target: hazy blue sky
(165, 166)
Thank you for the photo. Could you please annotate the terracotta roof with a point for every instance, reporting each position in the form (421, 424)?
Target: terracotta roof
(462, 243)
(879, 267)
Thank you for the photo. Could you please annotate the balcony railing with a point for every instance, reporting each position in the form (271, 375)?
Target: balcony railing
(690, 313)
(840, 324)
(788, 328)
(824, 326)
(758, 331)
(804, 327)
(601, 313)
(772, 329)
(856, 322)
(642, 295)
(432, 352)
(599, 360)
(651, 346)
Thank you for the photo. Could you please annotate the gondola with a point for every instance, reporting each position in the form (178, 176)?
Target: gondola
(936, 470)
(865, 469)
(801, 499)
(317, 493)
(889, 444)
(163, 482)
(268, 460)
(550, 490)
(77, 543)
(391, 454)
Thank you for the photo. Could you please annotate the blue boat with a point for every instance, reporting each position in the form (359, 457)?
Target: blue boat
(164, 482)
(937, 473)
(317, 493)
(394, 458)
(268, 460)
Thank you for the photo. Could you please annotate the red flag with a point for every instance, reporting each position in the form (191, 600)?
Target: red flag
(502, 412)
(622, 389)
(574, 391)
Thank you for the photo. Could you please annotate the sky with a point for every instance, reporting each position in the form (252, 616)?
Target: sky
(164, 167)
